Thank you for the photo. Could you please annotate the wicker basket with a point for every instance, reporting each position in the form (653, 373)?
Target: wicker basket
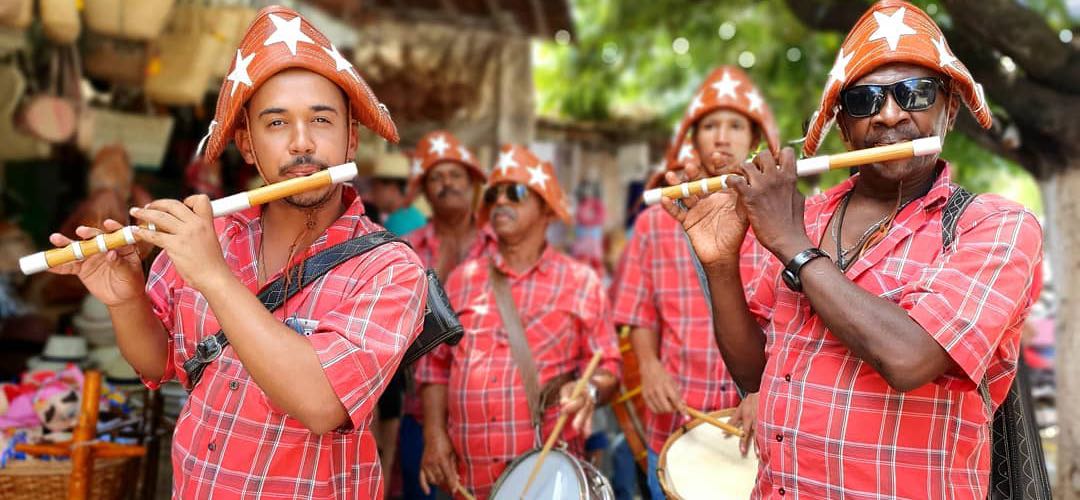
(113, 478)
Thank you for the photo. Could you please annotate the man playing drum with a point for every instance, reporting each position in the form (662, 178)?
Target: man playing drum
(448, 175)
(285, 410)
(870, 360)
(658, 291)
(479, 408)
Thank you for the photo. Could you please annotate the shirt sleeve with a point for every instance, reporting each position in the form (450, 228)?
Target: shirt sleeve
(361, 342)
(597, 328)
(632, 292)
(759, 270)
(971, 297)
(161, 285)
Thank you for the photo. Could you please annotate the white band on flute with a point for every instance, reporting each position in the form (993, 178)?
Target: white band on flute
(811, 166)
(34, 263)
(704, 183)
(100, 240)
(926, 146)
(77, 250)
(342, 173)
(685, 189)
(653, 196)
(129, 237)
(230, 204)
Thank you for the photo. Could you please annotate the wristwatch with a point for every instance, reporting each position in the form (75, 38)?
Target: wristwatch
(791, 271)
(594, 392)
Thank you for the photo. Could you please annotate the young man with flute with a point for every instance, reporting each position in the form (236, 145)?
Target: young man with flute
(658, 291)
(533, 318)
(868, 337)
(285, 410)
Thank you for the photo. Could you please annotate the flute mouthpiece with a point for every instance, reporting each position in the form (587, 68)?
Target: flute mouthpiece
(33, 263)
(926, 146)
(652, 196)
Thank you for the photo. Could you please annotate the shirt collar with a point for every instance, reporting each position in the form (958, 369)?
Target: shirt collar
(542, 265)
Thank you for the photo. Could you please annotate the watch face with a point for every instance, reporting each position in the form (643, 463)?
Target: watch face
(791, 280)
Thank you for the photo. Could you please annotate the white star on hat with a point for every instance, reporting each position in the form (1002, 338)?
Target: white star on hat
(945, 57)
(438, 145)
(686, 152)
(694, 105)
(506, 161)
(417, 167)
(891, 28)
(538, 176)
(240, 71)
(287, 32)
(464, 152)
(726, 86)
(755, 99)
(839, 70)
(340, 63)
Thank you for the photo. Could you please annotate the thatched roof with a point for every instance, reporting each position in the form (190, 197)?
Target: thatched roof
(539, 18)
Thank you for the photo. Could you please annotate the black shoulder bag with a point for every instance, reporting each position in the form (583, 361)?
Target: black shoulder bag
(1017, 463)
(440, 322)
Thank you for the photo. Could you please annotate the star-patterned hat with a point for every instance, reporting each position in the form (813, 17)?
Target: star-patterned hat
(892, 31)
(518, 164)
(727, 87)
(278, 39)
(439, 146)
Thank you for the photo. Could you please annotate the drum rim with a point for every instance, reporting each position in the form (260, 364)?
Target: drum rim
(661, 463)
(521, 458)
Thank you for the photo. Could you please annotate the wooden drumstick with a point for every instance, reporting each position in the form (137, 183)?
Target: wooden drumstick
(79, 250)
(459, 489)
(806, 166)
(579, 388)
(730, 429)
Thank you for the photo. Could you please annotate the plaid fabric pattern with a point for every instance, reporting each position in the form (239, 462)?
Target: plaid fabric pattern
(657, 288)
(830, 426)
(425, 243)
(565, 314)
(230, 440)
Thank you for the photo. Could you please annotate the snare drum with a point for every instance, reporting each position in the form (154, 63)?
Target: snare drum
(562, 476)
(699, 461)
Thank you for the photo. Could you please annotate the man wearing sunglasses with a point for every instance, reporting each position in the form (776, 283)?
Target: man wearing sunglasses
(448, 175)
(869, 340)
(480, 406)
(657, 290)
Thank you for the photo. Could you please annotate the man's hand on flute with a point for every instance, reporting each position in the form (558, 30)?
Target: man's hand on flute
(773, 204)
(186, 231)
(113, 277)
(715, 222)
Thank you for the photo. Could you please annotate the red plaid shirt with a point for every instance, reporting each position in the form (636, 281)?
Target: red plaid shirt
(657, 287)
(230, 440)
(426, 244)
(830, 426)
(564, 311)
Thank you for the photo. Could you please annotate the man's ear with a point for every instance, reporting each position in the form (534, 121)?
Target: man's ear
(242, 138)
(841, 125)
(354, 140)
(953, 110)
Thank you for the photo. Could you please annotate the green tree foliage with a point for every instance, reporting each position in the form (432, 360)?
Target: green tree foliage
(645, 59)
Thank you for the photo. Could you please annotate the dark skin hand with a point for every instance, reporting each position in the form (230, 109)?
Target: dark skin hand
(875, 329)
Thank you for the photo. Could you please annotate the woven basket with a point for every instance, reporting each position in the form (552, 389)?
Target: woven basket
(113, 479)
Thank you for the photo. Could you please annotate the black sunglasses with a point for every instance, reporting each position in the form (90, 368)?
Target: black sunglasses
(913, 94)
(514, 192)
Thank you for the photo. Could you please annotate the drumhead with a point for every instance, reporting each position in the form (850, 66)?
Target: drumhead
(561, 477)
(699, 462)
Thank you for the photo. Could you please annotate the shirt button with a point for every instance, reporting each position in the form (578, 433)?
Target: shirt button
(493, 379)
(779, 438)
(780, 491)
(234, 385)
(787, 377)
(723, 387)
(211, 446)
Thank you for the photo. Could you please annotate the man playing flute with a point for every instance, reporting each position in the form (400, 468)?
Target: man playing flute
(285, 410)
(657, 290)
(870, 360)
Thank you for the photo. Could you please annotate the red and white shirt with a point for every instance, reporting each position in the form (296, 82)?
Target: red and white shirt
(230, 440)
(565, 315)
(657, 287)
(829, 425)
(425, 242)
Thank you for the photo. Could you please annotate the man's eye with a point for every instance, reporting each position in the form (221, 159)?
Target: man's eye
(322, 119)
(277, 123)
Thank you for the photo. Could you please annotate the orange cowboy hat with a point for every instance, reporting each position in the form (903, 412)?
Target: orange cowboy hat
(517, 164)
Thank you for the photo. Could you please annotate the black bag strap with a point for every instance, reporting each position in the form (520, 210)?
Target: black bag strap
(274, 295)
(1017, 463)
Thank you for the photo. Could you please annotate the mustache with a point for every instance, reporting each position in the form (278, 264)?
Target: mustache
(905, 132)
(444, 192)
(301, 162)
(504, 210)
